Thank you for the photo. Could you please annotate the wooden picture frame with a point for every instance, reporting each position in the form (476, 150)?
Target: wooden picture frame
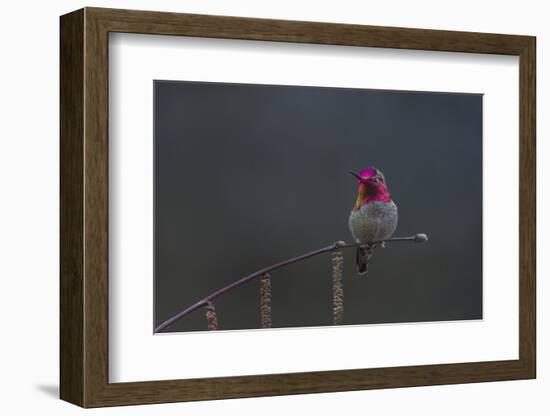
(84, 207)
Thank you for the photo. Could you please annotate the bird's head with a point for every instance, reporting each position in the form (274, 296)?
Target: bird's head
(371, 187)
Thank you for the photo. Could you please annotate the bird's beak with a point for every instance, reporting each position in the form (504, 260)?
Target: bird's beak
(359, 178)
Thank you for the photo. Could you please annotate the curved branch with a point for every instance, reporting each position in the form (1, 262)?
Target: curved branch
(418, 238)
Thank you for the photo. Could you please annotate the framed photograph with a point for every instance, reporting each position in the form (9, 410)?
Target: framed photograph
(255, 207)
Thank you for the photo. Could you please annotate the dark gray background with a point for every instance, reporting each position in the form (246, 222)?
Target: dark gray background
(248, 175)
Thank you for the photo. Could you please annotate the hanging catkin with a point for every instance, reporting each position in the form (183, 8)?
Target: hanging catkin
(211, 317)
(337, 284)
(265, 300)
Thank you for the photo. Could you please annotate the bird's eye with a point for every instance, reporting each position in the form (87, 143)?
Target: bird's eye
(377, 178)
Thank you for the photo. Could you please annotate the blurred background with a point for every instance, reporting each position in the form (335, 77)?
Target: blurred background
(249, 175)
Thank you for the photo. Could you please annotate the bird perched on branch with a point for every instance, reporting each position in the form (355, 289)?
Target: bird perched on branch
(373, 217)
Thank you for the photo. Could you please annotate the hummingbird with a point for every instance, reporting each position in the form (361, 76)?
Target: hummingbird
(373, 218)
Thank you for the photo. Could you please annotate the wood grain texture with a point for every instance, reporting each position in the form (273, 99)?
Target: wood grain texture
(527, 208)
(72, 216)
(84, 207)
(96, 216)
(162, 23)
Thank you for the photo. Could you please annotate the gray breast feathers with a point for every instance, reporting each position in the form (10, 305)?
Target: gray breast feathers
(374, 221)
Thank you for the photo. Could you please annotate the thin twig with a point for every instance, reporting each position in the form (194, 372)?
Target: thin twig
(418, 238)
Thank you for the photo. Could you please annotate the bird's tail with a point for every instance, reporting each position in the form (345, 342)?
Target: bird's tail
(364, 253)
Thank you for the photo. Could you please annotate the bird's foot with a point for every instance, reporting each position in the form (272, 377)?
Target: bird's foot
(372, 246)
